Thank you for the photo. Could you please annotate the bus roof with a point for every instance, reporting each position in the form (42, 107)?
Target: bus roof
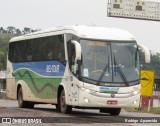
(92, 32)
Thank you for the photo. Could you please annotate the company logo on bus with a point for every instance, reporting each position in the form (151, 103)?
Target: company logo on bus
(112, 95)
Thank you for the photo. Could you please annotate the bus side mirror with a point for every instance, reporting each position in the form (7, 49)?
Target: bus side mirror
(78, 49)
(146, 53)
(78, 52)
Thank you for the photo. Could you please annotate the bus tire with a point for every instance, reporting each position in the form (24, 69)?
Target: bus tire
(29, 105)
(57, 107)
(21, 102)
(63, 107)
(115, 111)
(111, 111)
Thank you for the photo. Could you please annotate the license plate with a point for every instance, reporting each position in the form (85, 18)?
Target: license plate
(112, 102)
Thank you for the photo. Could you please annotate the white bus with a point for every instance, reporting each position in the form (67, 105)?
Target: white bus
(75, 67)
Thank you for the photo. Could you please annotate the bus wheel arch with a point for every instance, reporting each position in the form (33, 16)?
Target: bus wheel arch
(21, 102)
(18, 87)
(62, 106)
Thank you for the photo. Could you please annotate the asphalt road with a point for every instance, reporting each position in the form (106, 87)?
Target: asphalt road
(47, 115)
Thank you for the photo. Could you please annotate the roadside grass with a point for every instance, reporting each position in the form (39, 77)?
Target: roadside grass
(153, 110)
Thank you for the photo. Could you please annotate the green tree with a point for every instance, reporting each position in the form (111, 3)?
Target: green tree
(2, 60)
(4, 40)
(27, 30)
(11, 30)
(18, 32)
(1, 29)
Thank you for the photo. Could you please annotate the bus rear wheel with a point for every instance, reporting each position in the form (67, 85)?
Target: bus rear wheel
(21, 102)
(63, 107)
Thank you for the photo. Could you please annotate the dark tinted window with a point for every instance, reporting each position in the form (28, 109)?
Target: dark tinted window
(39, 49)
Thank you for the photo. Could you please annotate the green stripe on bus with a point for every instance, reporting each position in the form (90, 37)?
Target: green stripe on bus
(41, 87)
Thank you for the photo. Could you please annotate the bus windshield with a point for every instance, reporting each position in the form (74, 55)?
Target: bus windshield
(110, 61)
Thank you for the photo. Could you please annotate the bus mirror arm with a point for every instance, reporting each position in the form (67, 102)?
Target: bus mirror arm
(75, 66)
(78, 50)
(146, 53)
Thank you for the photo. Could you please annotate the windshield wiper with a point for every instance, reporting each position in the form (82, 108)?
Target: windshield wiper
(88, 78)
(121, 72)
(105, 68)
(136, 53)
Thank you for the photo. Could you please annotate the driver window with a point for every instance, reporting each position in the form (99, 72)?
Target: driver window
(71, 56)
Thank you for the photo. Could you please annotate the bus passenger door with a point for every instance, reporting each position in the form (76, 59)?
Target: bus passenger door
(74, 90)
(73, 81)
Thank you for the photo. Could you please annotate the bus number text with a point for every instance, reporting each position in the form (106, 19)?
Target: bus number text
(52, 68)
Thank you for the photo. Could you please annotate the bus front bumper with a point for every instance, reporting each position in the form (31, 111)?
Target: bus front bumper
(102, 100)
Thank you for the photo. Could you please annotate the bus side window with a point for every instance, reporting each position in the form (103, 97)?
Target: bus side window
(29, 56)
(60, 51)
(14, 53)
(50, 54)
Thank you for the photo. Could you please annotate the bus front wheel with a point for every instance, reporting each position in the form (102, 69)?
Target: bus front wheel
(111, 111)
(115, 111)
(63, 107)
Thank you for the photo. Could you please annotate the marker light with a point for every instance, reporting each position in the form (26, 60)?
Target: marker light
(87, 90)
(86, 100)
(135, 102)
(135, 92)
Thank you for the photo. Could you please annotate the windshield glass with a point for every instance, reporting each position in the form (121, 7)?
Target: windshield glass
(113, 62)
(96, 55)
(126, 60)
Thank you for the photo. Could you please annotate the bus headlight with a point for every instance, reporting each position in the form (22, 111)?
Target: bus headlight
(135, 102)
(85, 90)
